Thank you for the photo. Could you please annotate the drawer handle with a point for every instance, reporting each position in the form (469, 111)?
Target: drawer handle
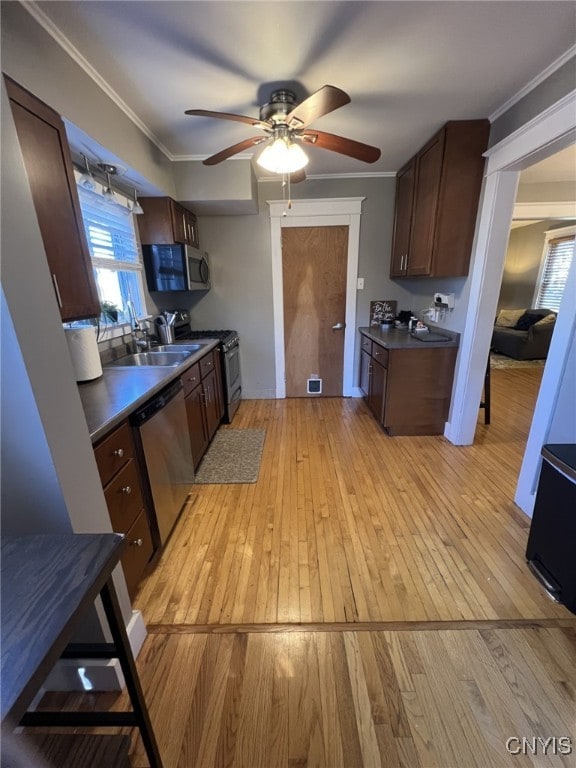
(127, 489)
(119, 452)
(191, 378)
(137, 543)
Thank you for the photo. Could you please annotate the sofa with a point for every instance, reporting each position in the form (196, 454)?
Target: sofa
(523, 334)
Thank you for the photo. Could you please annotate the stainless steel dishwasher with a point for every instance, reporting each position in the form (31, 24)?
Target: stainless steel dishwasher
(164, 442)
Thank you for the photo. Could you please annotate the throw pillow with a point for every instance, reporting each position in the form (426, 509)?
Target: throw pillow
(551, 318)
(507, 318)
(527, 320)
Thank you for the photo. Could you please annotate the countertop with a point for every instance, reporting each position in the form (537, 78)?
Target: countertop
(401, 338)
(110, 399)
(47, 583)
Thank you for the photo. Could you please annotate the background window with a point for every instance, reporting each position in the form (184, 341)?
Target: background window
(115, 252)
(558, 253)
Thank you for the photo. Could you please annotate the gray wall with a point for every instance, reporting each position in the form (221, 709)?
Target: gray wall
(64, 468)
(522, 264)
(32, 58)
(555, 87)
(240, 257)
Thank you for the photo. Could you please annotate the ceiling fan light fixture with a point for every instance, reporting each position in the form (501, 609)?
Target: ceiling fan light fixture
(283, 156)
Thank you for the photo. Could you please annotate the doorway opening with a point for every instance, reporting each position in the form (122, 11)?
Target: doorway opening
(552, 131)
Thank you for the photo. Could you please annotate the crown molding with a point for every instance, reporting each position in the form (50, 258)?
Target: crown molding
(57, 35)
(525, 90)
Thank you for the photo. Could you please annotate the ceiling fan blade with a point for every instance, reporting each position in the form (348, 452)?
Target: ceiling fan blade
(326, 99)
(227, 116)
(344, 146)
(234, 149)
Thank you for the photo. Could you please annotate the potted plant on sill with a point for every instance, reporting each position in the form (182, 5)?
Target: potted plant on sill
(109, 311)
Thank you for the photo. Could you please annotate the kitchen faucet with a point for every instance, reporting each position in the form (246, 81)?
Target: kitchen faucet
(143, 343)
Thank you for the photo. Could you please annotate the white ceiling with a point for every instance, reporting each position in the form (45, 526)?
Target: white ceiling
(408, 66)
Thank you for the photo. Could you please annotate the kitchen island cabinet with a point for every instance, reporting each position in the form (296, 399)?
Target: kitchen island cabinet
(407, 382)
(48, 164)
(437, 194)
(166, 222)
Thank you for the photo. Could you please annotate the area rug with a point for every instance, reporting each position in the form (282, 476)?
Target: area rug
(233, 457)
(502, 361)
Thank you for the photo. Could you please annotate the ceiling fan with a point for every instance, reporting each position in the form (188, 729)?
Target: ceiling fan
(284, 124)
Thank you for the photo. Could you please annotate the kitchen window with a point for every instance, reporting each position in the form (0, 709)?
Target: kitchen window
(115, 252)
(558, 253)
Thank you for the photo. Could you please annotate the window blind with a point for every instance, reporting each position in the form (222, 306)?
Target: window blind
(555, 272)
(109, 230)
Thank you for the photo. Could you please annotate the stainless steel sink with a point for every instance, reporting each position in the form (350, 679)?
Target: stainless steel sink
(153, 358)
(178, 348)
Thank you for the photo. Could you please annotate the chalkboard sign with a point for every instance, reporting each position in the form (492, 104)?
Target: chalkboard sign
(382, 311)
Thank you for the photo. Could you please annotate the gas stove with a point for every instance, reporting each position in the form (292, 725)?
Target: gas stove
(228, 339)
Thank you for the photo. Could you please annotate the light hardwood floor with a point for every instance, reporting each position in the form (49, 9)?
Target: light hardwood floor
(365, 604)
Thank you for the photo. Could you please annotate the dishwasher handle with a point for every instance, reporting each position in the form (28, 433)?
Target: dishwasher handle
(159, 401)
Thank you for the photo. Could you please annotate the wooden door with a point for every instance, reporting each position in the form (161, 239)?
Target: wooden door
(314, 265)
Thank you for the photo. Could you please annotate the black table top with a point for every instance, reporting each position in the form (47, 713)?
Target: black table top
(47, 583)
(562, 456)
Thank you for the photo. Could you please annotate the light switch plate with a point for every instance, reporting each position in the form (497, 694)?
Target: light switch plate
(360, 283)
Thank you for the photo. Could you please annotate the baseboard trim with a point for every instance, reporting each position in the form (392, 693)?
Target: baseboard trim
(96, 674)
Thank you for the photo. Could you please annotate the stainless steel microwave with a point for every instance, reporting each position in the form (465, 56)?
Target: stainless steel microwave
(176, 267)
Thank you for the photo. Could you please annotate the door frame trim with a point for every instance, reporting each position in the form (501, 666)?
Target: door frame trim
(547, 133)
(323, 212)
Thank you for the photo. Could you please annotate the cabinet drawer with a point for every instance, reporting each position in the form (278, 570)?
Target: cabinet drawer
(206, 364)
(114, 452)
(191, 378)
(366, 345)
(124, 498)
(138, 553)
(380, 354)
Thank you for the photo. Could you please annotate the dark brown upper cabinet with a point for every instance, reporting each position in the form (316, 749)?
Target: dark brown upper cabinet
(48, 164)
(437, 194)
(165, 222)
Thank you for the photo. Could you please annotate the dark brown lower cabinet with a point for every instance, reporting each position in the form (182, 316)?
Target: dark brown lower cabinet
(121, 480)
(377, 393)
(408, 390)
(195, 413)
(204, 403)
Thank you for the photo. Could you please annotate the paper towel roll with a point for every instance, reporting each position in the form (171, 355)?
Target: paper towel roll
(84, 352)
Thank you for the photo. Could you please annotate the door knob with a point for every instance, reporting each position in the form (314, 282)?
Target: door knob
(339, 327)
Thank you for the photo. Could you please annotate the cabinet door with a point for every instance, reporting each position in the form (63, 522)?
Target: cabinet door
(179, 223)
(365, 361)
(155, 226)
(429, 171)
(377, 395)
(402, 220)
(49, 169)
(192, 230)
(219, 393)
(210, 403)
(195, 413)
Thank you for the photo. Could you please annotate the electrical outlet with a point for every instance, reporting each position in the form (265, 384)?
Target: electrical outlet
(360, 283)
